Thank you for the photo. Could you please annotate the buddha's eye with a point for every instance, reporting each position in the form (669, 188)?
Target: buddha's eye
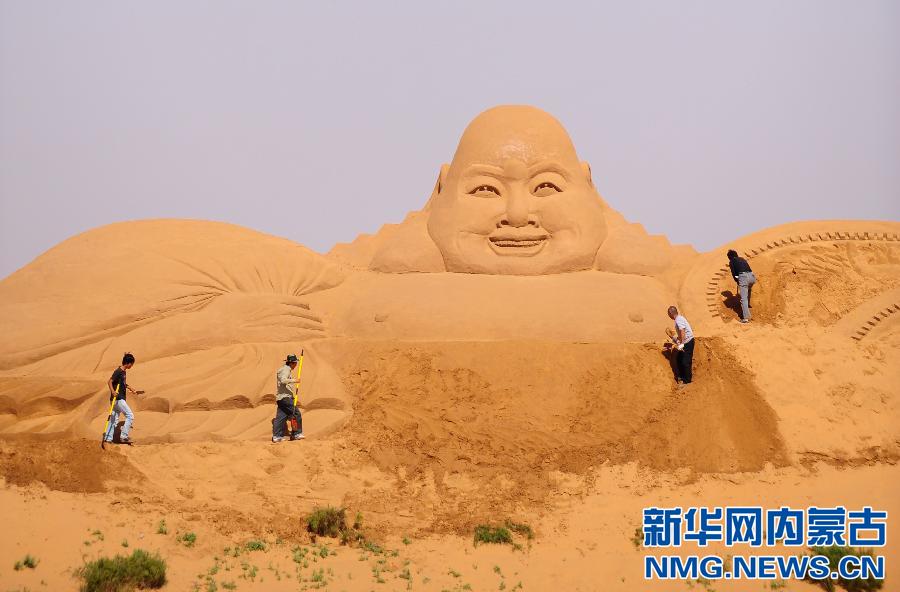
(546, 188)
(484, 190)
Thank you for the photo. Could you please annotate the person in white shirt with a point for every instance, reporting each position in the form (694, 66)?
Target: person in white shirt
(684, 345)
(284, 401)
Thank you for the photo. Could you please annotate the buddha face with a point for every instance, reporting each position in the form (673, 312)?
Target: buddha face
(516, 199)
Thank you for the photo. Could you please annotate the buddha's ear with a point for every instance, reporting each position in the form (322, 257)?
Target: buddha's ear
(586, 167)
(438, 184)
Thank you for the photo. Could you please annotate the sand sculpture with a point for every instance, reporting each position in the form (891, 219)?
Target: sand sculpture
(561, 301)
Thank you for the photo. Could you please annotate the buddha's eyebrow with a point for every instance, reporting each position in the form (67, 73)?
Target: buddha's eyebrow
(484, 169)
(548, 166)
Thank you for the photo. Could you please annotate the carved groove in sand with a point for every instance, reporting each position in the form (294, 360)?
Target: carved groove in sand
(875, 321)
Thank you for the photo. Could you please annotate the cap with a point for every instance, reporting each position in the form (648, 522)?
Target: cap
(291, 359)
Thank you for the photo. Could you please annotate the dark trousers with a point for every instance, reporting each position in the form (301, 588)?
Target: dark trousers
(284, 411)
(683, 361)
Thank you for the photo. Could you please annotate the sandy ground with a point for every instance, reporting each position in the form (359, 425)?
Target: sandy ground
(583, 534)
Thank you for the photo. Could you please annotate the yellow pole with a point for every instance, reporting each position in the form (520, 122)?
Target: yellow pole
(109, 417)
(297, 386)
(292, 422)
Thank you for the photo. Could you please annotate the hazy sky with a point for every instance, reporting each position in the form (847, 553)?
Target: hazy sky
(317, 121)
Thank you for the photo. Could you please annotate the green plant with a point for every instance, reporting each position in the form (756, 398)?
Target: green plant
(29, 562)
(161, 528)
(492, 534)
(187, 539)
(520, 529)
(121, 574)
(255, 545)
(328, 521)
(406, 541)
(834, 553)
(373, 548)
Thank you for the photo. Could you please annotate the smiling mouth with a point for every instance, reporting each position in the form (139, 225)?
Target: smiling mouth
(518, 245)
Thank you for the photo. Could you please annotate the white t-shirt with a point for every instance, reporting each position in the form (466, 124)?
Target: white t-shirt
(682, 323)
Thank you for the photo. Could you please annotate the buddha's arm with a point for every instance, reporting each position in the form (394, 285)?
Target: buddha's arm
(175, 286)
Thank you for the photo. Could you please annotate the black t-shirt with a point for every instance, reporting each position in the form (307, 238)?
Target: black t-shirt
(118, 381)
(738, 266)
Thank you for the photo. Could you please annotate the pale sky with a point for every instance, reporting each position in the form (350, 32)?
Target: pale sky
(317, 121)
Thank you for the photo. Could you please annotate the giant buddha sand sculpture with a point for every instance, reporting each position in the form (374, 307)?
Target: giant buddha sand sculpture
(516, 318)
(516, 199)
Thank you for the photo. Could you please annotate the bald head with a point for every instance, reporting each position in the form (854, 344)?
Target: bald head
(516, 132)
(515, 199)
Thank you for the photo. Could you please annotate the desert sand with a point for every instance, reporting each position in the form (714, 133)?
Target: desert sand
(497, 355)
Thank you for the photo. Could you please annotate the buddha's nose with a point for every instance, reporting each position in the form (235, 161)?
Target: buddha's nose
(518, 211)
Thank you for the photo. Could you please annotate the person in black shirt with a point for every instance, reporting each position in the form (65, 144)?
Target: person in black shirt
(743, 275)
(117, 388)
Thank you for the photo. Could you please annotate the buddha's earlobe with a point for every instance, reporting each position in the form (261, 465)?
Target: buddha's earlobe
(586, 167)
(442, 177)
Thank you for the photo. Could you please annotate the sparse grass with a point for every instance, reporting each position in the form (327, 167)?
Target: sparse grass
(122, 574)
(97, 535)
(299, 556)
(406, 541)
(834, 554)
(29, 562)
(638, 538)
(229, 585)
(255, 545)
(496, 535)
(125, 543)
(187, 539)
(161, 528)
(373, 548)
